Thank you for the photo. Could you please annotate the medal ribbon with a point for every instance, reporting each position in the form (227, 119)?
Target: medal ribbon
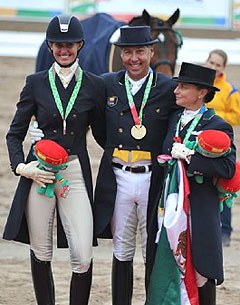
(193, 124)
(138, 117)
(57, 98)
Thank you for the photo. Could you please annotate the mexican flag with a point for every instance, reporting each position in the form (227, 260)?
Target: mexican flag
(173, 279)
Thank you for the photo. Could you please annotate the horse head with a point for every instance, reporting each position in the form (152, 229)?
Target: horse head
(169, 40)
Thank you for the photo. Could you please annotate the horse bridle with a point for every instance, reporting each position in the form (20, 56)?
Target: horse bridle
(178, 46)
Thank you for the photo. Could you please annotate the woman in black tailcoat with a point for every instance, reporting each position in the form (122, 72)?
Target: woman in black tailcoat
(65, 101)
(194, 89)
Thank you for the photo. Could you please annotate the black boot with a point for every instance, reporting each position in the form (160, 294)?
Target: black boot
(147, 279)
(122, 282)
(207, 293)
(80, 287)
(42, 281)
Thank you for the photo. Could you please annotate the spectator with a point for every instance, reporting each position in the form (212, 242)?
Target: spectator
(226, 103)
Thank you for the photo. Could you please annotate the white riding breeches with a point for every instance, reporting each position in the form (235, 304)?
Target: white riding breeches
(130, 212)
(76, 217)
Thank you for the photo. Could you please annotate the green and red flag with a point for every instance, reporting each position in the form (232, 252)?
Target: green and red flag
(173, 277)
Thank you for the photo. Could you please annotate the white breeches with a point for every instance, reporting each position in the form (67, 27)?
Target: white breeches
(76, 217)
(130, 211)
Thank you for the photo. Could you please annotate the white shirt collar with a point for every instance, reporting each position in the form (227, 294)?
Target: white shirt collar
(66, 74)
(188, 115)
(137, 84)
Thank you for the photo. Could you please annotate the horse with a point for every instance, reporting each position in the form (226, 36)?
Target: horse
(99, 55)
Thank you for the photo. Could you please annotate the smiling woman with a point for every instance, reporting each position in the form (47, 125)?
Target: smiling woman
(66, 101)
(63, 43)
(65, 53)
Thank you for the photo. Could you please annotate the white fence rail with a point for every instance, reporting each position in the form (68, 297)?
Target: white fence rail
(26, 44)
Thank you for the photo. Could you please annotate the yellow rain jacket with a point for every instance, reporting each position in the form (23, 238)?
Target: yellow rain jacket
(226, 102)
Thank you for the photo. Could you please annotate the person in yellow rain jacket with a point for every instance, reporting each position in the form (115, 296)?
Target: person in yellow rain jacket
(226, 104)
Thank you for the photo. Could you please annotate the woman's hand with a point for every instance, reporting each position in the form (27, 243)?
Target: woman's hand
(31, 171)
(180, 151)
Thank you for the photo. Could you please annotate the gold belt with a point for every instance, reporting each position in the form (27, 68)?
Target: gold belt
(131, 156)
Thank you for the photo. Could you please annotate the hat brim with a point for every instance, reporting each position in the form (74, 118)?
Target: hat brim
(65, 40)
(194, 82)
(134, 44)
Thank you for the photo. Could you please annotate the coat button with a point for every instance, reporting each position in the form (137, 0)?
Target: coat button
(138, 147)
(197, 173)
(121, 113)
(120, 146)
(158, 110)
(72, 133)
(120, 130)
(54, 115)
(69, 150)
(74, 116)
(54, 130)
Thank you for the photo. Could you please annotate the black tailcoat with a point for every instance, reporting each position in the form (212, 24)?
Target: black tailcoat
(204, 204)
(37, 99)
(119, 120)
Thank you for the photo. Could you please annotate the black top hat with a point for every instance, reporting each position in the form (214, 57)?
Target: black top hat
(135, 36)
(198, 75)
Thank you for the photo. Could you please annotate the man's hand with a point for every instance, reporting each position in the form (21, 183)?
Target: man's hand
(31, 171)
(36, 133)
(180, 151)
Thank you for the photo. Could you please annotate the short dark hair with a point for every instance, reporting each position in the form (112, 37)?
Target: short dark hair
(209, 96)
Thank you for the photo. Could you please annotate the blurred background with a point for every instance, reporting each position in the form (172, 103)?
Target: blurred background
(204, 25)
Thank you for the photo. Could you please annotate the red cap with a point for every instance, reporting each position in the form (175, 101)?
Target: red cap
(233, 184)
(213, 143)
(51, 152)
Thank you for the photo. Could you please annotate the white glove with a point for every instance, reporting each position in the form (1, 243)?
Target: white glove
(36, 133)
(31, 171)
(180, 151)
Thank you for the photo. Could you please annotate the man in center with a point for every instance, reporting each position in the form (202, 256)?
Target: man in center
(137, 110)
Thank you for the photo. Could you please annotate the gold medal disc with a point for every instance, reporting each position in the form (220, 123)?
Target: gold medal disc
(138, 132)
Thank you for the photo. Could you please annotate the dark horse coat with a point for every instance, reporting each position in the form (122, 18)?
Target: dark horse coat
(36, 99)
(204, 204)
(160, 104)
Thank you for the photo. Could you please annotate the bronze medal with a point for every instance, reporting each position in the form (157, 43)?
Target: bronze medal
(138, 132)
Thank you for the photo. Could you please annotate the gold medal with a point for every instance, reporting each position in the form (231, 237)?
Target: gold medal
(138, 132)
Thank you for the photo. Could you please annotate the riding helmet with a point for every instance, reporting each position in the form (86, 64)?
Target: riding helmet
(65, 28)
